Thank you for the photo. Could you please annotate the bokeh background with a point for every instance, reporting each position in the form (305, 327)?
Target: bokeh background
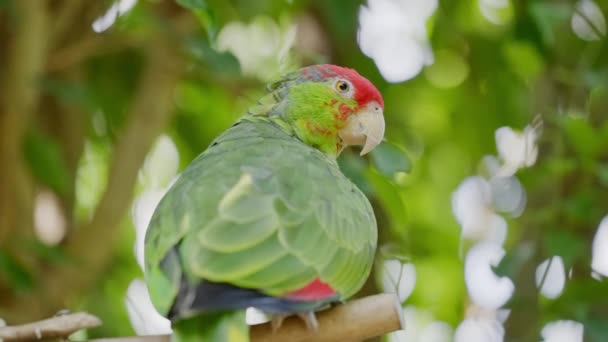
(102, 103)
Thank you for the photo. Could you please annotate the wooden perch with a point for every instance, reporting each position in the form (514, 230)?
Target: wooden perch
(354, 321)
(54, 327)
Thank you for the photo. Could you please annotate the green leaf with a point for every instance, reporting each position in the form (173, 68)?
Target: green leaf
(565, 244)
(582, 205)
(204, 14)
(50, 254)
(524, 59)
(14, 273)
(549, 16)
(43, 155)
(208, 21)
(390, 159)
(583, 138)
(602, 174)
(354, 168)
(112, 82)
(221, 62)
(515, 259)
(70, 93)
(596, 329)
(193, 4)
(388, 194)
(597, 104)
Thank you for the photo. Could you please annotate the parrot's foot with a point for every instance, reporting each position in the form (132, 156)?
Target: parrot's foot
(277, 321)
(310, 319)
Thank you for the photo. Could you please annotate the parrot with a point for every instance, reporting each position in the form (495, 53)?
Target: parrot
(264, 218)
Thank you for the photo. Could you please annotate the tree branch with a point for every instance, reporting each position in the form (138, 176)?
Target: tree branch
(151, 112)
(26, 55)
(91, 246)
(90, 44)
(54, 327)
(93, 44)
(65, 17)
(354, 321)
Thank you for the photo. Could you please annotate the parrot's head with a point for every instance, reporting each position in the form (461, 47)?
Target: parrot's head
(330, 107)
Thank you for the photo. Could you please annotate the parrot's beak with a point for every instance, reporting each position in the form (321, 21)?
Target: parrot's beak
(364, 127)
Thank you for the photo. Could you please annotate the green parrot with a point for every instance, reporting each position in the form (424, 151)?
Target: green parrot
(264, 217)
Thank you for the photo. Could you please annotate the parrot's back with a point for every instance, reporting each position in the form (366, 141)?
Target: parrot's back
(258, 219)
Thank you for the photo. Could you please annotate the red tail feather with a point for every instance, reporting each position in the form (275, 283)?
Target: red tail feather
(316, 290)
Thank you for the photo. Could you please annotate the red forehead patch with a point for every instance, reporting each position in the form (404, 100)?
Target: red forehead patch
(365, 91)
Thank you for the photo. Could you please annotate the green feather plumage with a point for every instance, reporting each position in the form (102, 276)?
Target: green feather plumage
(250, 218)
(260, 209)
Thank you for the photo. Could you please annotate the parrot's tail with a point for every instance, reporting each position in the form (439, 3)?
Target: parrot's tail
(225, 326)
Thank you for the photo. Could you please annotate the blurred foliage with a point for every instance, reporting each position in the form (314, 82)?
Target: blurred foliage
(439, 125)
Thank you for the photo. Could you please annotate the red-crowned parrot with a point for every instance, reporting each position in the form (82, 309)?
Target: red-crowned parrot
(264, 217)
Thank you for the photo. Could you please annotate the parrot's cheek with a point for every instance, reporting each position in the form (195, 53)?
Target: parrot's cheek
(364, 128)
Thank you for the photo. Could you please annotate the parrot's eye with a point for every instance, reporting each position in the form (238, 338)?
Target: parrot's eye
(342, 86)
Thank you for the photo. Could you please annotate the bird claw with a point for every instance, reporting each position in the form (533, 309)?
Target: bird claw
(277, 321)
(310, 319)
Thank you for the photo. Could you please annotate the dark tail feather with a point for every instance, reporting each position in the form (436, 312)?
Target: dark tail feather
(200, 296)
(208, 297)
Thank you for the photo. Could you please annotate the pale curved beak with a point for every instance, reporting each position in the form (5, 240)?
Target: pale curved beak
(365, 127)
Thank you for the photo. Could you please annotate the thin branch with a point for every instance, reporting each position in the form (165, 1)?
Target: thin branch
(54, 327)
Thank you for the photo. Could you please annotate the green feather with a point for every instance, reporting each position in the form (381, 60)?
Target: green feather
(229, 267)
(272, 221)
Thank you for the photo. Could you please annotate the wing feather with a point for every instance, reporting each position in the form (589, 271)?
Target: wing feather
(272, 221)
(230, 267)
